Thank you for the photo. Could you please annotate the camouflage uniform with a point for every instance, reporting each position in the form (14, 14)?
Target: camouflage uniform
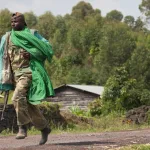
(25, 111)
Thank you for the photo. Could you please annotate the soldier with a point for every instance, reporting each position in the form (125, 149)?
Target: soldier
(22, 55)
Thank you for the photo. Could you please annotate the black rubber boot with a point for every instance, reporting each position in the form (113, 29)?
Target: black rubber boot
(44, 133)
(22, 132)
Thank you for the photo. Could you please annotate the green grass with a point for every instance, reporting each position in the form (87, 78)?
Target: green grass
(7, 133)
(9, 98)
(108, 123)
(135, 147)
(111, 122)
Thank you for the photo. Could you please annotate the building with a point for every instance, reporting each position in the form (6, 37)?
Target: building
(76, 95)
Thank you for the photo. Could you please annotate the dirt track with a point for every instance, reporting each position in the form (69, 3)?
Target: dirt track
(91, 141)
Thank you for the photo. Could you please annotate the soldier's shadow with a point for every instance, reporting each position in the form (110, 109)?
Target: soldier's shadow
(86, 143)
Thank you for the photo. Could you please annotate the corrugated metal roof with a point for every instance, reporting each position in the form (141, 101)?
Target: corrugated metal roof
(89, 88)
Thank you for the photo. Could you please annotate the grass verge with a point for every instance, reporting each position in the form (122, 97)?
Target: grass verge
(135, 147)
(112, 122)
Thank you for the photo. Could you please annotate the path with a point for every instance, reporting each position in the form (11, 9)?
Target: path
(90, 141)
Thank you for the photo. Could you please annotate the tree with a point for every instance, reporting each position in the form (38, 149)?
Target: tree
(114, 15)
(115, 48)
(60, 36)
(31, 19)
(46, 25)
(74, 35)
(139, 25)
(91, 34)
(61, 24)
(80, 75)
(145, 7)
(139, 63)
(129, 20)
(120, 92)
(81, 10)
(5, 21)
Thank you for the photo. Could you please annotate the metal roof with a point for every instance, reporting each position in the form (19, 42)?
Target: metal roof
(89, 88)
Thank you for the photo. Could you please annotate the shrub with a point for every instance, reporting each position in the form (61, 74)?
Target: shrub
(95, 107)
(52, 113)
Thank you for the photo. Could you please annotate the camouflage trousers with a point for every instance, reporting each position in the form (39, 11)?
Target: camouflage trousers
(25, 111)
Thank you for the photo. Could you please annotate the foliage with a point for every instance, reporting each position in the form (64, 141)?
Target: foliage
(145, 97)
(7, 132)
(48, 108)
(138, 65)
(145, 7)
(5, 21)
(139, 24)
(81, 10)
(78, 75)
(46, 24)
(76, 110)
(95, 107)
(129, 20)
(136, 147)
(120, 92)
(115, 48)
(109, 122)
(114, 15)
(89, 47)
(9, 98)
(31, 19)
(51, 112)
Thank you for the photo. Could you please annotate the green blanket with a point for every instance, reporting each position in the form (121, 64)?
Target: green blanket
(41, 86)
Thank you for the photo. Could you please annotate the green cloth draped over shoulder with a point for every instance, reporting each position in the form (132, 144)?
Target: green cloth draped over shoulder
(41, 86)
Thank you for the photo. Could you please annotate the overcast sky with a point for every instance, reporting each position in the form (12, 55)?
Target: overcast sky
(62, 7)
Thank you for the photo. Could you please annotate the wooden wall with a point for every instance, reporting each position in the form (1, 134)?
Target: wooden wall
(67, 97)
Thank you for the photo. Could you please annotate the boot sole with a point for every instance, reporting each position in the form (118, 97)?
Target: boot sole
(20, 137)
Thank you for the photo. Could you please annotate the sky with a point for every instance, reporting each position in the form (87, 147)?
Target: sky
(62, 7)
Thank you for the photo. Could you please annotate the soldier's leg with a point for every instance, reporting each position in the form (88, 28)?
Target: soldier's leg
(20, 104)
(37, 119)
(39, 122)
(27, 112)
(20, 101)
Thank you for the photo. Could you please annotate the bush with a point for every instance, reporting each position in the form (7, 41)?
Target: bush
(121, 92)
(52, 113)
(95, 107)
(76, 110)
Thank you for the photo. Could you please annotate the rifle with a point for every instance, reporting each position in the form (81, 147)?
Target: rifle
(6, 95)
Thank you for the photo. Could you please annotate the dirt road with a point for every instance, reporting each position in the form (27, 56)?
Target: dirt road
(90, 141)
